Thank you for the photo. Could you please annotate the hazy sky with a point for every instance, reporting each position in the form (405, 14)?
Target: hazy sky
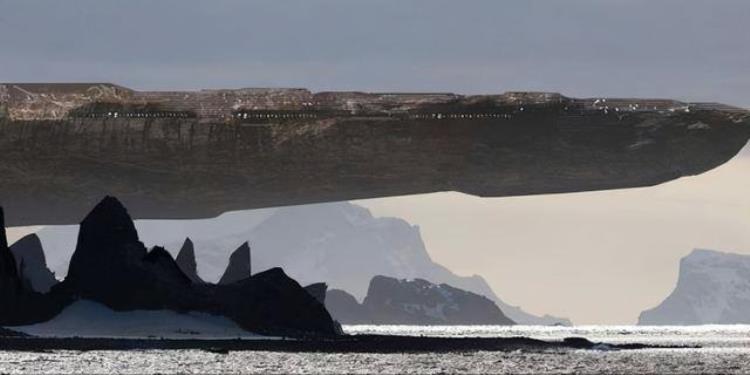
(594, 257)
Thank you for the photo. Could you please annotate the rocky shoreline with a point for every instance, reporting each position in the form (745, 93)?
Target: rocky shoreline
(339, 344)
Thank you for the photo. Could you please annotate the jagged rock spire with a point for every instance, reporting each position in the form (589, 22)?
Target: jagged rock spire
(238, 267)
(10, 283)
(186, 261)
(28, 252)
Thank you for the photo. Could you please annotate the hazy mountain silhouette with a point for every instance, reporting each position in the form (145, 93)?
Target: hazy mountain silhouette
(414, 302)
(712, 288)
(32, 264)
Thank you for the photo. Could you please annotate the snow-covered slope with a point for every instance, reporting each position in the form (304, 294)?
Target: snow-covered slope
(329, 242)
(90, 319)
(712, 288)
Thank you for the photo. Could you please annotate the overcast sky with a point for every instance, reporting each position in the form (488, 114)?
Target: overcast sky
(602, 257)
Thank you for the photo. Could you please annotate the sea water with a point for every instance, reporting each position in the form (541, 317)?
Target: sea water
(724, 349)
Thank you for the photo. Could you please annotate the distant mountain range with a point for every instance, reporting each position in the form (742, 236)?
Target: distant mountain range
(712, 288)
(341, 244)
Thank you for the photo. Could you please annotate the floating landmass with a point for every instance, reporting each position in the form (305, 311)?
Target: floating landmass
(197, 154)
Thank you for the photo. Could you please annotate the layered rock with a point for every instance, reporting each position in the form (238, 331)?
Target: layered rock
(712, 288)
(239, 267)
(198, 154)
(415, 302)
(186, 261)
(32, 264)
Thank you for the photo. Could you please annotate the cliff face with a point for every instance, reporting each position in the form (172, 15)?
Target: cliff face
(712, 288)
(197, 154)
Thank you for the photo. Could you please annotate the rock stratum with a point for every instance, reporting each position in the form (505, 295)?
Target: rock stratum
(200, 153)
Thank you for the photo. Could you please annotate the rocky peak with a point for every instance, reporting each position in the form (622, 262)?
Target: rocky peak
(186, 261)
(31, 263)
(109, 259)
(107, 237)
(165, 266)
(108, 223)
(238, 267)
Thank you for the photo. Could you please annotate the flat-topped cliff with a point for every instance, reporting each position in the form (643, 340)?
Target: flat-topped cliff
(199, 153)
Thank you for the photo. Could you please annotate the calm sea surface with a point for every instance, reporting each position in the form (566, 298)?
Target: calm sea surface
(724, 349)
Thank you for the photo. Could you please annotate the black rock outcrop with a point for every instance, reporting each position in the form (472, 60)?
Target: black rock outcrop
(32, 264)
(10, 283)
(18, 303)
(272, 302)
(239, 267)
(111, 266)
(186, 261)
(415, 302)
(318, 291)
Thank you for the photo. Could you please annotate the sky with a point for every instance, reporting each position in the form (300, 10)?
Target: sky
(598, 257)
